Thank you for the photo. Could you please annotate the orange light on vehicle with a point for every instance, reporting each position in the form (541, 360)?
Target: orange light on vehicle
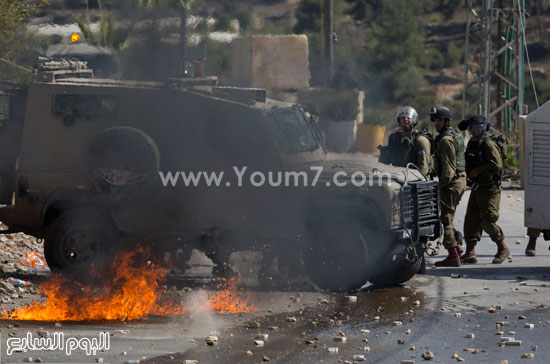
(75, 37)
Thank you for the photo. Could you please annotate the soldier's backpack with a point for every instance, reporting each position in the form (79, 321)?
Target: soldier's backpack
(502, 142)
(424, 132)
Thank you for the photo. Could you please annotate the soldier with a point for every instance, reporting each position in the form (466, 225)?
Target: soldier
(450, 168)
(484, 168)
(533, 234)
(407, 145)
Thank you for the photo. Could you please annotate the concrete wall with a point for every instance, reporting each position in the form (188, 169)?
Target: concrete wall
(271, 62)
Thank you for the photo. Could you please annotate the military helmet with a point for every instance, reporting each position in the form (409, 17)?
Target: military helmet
(440, 112)
(475, 121)
(407, 112)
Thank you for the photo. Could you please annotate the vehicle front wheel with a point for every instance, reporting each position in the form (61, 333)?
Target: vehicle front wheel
(78, 239)
(338, 244)
(399, 266)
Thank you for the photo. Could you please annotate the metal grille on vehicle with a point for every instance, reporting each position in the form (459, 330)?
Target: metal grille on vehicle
(419, 208)
(541, 154)
(406, 206)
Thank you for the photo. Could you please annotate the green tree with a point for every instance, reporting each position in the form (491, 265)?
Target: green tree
(233, 9)
(107, 35)
(308, 17)
(183, 6)
(454, 55)
(18, 50)
(364, 9)
(394, 54)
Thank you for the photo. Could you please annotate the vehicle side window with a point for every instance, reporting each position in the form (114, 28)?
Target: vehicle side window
(88, 106)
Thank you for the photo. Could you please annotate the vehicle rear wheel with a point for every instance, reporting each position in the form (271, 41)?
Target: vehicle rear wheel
(398, 267)
(338, 244)
(78, 239)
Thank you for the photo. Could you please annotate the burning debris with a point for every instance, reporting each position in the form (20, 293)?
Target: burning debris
(229, 299)
(132, 291)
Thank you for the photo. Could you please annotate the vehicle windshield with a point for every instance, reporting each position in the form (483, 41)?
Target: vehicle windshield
(292, 129)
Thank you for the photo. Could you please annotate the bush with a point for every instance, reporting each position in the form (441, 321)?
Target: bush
(244, 18)
(374, 116)
(433, 59)
(202, 26)
(308, 17)
(343, 107)
(435, 18)
(454, 55)
(511, 158)
(223, 23)
(407, 82)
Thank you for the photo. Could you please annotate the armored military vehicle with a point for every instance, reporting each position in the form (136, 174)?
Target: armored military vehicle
(90, 165)
(537, 180)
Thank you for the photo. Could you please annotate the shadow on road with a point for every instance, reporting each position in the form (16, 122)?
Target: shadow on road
(499, 272)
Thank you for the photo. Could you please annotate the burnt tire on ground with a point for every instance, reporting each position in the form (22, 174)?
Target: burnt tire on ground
(123, 162)
(339, 245)
(78, 239)
(397, 268)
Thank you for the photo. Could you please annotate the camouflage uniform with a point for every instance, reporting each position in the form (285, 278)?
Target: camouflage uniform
(449, 168)
(403, 149)
(482, 212)
(533, 233)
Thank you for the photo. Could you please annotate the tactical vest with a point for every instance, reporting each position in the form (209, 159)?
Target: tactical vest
(475, 158)
(401, 149)
(459, 147)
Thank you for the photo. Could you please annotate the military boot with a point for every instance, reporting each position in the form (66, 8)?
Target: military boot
(453, 260)
(502, 253)
(459, 241)
(531, 246)
(470, 256)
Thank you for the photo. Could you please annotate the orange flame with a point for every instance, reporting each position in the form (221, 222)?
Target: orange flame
(229, 299)
(75, 38)
(131, 293)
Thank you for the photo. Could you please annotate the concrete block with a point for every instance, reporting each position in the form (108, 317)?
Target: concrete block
(271, 62)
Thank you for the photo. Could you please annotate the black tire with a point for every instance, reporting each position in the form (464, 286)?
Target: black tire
(78, 239)
(123, 162)
(397, 268)
(338, 247)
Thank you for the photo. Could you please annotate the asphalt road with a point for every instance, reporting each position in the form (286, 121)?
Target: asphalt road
(444, 311)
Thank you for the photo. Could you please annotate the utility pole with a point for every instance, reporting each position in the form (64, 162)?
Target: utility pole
(500, 64)
(184, 16)
(328, 30)
(500, 61)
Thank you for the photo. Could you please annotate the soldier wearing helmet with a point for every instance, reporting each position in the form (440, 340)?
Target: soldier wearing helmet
(450, 168)
(484, 169)
(407, 145)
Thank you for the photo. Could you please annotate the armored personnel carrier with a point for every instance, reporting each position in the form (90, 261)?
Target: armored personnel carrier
(92, 165)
